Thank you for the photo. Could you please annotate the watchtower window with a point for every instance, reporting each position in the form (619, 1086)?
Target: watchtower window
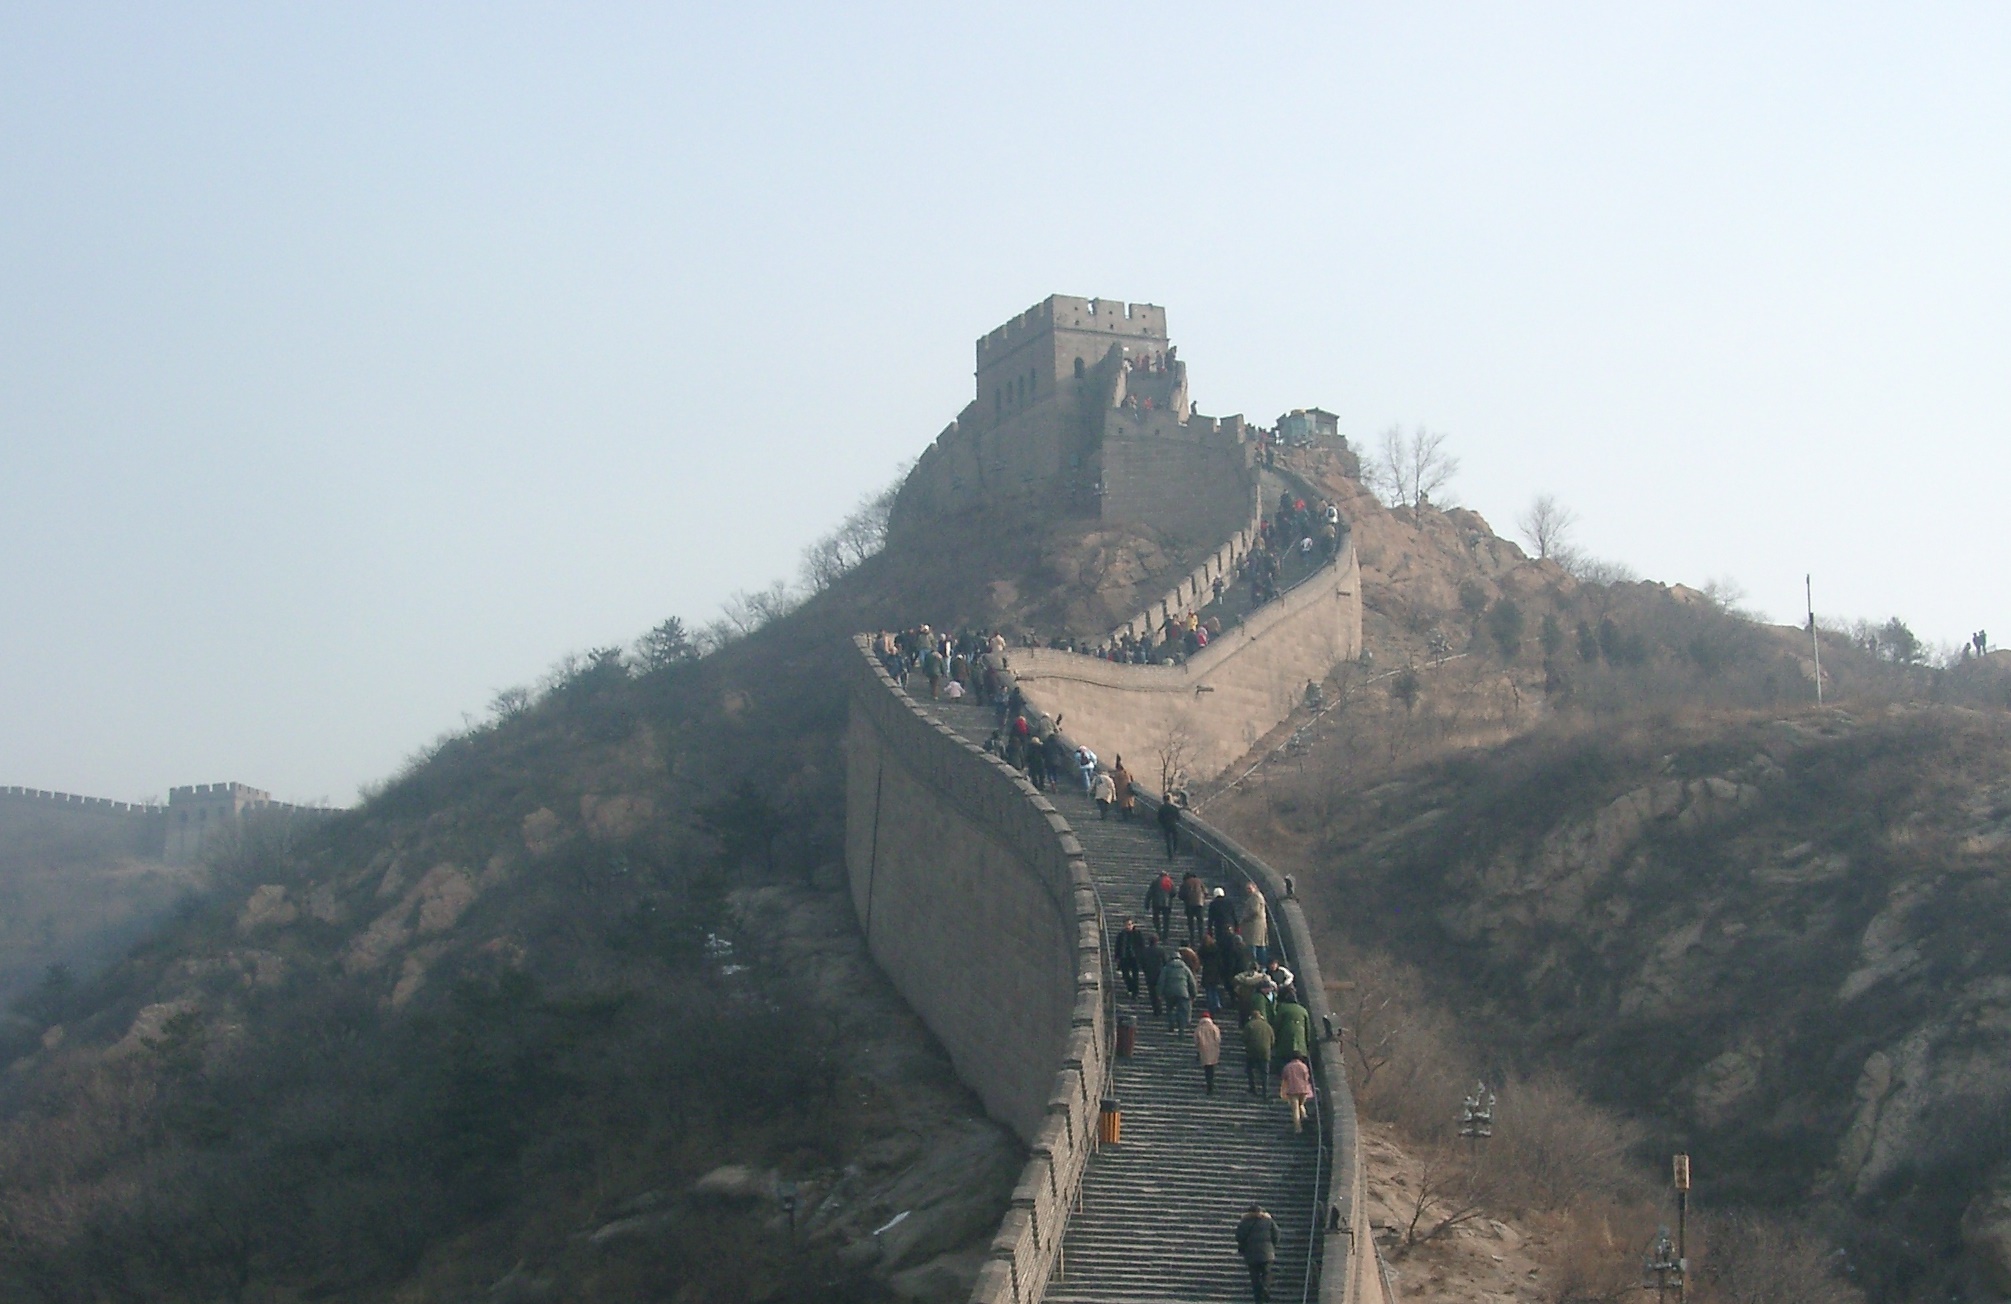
(1078, 368)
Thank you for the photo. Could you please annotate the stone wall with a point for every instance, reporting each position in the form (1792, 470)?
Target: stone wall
(29, 816)
(1193, 490)
(1221, 701)
(960, 873)
(975, 901)
(176, 832)
(1349, 1272)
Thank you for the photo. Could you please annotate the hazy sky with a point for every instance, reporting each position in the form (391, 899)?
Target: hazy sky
(358, 361)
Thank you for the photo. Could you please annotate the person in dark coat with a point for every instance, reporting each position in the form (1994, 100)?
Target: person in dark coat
(1257, 1242)
(1159, 902)
(1154, 961)
(1221, 914)
(1213, 980)
(1060, 761)
(1235, 957)
(1169, 827)
(1036, 766)
(1194, 895)
(1257, 1043)
(1130, 955)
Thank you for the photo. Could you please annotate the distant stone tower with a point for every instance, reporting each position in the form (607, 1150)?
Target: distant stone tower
(199, 812)
(1082, 408)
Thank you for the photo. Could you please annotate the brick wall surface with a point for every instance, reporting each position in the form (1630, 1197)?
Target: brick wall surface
(976, 901)
(1222, 700)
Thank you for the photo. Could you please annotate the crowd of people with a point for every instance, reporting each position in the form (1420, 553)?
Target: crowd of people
(1310, 530)
(1225, 962)
(972, 661)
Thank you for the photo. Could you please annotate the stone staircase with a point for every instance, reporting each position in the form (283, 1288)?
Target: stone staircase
(1156, 1222)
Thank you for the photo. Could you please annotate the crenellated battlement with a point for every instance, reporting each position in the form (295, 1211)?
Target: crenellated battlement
(218, 792)
(1076, 401)
(176, 832)
(1145, 322)
(63, 801)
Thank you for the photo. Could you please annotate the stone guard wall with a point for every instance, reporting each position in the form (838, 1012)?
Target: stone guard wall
(1223, 699)
(113, 828)
(975, 900)
(1349, 1272)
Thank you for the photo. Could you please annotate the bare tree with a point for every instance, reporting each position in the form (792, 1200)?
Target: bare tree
(1547, 525)
(746, 612)
(1175, 749)
(1760, 1259)
(857, 537)
(1409, 469)
(1452, 1190)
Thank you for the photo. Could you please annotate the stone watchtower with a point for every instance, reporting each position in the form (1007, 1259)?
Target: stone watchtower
(1037, 357)
(201, 811)
(1082, 409)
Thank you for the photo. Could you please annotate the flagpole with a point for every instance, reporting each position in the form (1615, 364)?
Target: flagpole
(1808, 587)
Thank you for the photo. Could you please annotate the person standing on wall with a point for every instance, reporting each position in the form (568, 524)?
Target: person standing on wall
(1159, 903)
(1154, 965)
(1293, 1024)
(1104, 789)
(1221, 914)
(1257, 1043)
(1130, 955)
(1256, 924)
(1194, 895)
(1120, 782)
(1257, 1242)
(1176, 987)
(1208, 1047)
(1295, 1088)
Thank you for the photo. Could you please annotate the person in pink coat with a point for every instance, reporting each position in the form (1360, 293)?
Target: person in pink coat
(1295, 1087)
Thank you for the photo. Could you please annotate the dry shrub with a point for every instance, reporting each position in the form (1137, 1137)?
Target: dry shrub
(1596, 1253)
(1554, 1150)
(1753, 1258)
(1405, 1060)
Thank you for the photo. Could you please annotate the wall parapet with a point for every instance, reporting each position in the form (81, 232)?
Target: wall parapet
(930, 819)
(1338, 1221)
(68, 801)
(1214, 706)
(1220, 564)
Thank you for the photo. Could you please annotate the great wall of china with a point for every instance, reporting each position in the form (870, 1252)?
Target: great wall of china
(992, 912)
(176, 832)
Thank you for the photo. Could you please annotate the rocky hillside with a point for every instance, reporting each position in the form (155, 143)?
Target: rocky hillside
(1625, 845)
(71, 899)
(562, 1011)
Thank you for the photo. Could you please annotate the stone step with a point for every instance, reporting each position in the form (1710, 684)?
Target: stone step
(1158, 1212)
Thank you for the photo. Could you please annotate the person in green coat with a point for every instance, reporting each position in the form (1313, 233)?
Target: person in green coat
(1257, 1042)
(1178, 987)
(1293, 1024)
(1264, 1004)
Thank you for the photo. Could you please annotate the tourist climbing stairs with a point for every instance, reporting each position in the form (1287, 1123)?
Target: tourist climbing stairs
(1158, 1211)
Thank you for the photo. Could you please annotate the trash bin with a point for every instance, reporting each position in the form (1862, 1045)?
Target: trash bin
(1127, 1034)
(1110, 1123)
